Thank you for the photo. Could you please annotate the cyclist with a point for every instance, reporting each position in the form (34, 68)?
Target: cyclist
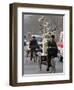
(33, 46)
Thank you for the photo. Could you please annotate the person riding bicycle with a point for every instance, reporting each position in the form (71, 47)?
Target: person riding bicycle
(33, 46)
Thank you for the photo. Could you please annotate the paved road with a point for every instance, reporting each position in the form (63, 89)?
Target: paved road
(31, 67)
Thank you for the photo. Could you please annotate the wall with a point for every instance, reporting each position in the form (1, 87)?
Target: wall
(4, 46)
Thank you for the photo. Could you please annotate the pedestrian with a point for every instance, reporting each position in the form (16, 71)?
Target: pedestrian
(51, 51)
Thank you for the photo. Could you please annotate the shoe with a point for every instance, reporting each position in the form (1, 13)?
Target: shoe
(50, 65)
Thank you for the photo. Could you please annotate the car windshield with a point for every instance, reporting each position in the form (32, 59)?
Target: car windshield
(39, 39)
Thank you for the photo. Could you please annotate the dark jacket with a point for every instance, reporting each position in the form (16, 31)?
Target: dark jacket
(52, 49)
(33, 44)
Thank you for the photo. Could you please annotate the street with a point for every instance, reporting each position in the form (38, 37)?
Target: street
(31, 67)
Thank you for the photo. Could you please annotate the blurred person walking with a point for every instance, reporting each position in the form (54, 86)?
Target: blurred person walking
(51, 51)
